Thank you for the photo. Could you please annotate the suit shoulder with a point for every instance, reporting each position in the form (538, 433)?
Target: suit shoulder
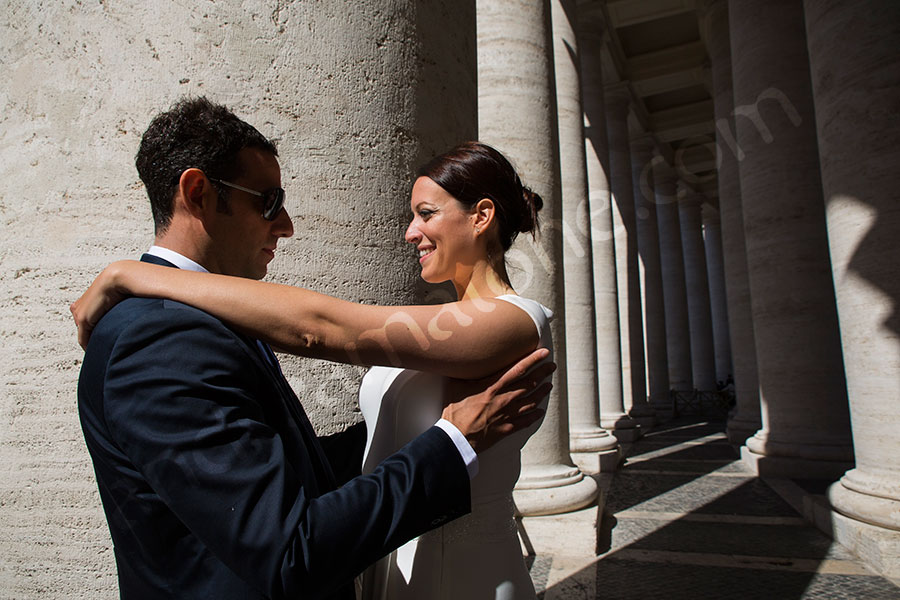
(138, 318)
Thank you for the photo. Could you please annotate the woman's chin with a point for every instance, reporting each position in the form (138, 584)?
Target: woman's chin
(430, 278)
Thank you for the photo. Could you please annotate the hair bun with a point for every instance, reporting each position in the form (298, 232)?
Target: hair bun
(533, 204)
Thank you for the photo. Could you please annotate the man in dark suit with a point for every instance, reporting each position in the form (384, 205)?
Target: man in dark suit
(213, 481)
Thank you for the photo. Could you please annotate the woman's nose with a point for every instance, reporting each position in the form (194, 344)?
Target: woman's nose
(412, 234)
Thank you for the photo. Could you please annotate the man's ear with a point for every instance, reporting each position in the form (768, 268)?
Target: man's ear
(195, 192)
(484, 214)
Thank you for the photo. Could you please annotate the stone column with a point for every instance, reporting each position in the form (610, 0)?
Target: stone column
(517, 114)
(678, 336)
(703, 359)
(617, 99)
(852, 52)
(589, 337)
(348, 144)
(805, 418)
(651, 271)
(715, 271)
(744, 420)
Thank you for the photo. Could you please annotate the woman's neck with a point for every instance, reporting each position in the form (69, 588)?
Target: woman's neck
(483, 282)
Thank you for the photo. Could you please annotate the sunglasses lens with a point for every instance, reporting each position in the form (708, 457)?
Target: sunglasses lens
(274, 200)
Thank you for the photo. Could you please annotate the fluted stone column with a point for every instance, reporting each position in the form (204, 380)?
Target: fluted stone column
(517, 114)
(852, 51)
(678, 336)
(715, 272)
(631, 323)
(805, 418)
(656, 354)
(703, 359)
(617, 99)
(592, 342)
(745, 419)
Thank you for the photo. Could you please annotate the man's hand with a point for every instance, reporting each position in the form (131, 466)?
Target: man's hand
(487, 410)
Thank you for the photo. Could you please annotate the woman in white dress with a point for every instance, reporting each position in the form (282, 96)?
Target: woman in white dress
(468, 205)
(477, 556)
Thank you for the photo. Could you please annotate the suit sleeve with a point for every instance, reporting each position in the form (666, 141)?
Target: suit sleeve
(184, 404)
(345, 450)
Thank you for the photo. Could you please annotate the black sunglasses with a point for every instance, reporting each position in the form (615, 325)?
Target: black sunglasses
(273, 199)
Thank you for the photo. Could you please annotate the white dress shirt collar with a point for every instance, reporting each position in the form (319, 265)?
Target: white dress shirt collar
(179, 260)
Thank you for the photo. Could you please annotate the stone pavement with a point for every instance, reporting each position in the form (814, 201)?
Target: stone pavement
(682, 518)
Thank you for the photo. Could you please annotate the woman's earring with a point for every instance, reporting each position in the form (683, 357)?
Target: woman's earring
(478, 230)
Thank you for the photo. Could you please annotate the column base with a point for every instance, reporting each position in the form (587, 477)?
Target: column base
(877, 547)
(663, 407)
(623, 427)
(861, 497)
(643, 415)
(595, 439)
(664, 410)
(553, 489)
(598, 462)
(628, 435)
(793, 468)
(616, 420)
(739, 430)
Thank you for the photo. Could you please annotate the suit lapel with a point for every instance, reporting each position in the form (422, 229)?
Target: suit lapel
(317, 455)
(268, 362)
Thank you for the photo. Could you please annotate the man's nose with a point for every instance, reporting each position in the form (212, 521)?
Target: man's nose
(283, 226)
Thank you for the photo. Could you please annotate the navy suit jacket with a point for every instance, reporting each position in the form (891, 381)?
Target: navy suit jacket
(213, 481)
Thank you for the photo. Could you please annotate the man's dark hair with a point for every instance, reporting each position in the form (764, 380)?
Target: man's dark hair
(193, 133)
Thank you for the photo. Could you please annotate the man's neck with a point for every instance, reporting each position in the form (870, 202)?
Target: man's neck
(176, 258)
(184, 243)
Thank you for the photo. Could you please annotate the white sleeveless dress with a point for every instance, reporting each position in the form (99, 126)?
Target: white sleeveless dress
(478, 556)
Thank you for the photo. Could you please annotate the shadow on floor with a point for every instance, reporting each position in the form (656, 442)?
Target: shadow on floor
(685, 519)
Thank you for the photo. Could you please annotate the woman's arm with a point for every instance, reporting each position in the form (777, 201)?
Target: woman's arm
(467, 339)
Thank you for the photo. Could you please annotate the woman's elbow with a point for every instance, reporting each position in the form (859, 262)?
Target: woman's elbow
(304, 342)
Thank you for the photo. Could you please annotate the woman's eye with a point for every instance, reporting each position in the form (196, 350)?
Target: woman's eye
(425, 214)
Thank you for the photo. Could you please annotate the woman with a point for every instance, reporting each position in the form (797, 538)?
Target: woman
(468, 205)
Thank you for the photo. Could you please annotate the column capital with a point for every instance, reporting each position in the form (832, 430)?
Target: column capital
(663, 172)
(710, 214)
(645, 141)
(708, 8)
(707, 76)
(711, 14)
(590, 12)
(688, 196)
(618, 97)
(684, 189)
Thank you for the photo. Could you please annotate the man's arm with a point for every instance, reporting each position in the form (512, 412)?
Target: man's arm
(345, 451)
(487, 410)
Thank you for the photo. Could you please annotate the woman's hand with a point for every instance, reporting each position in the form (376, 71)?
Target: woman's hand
(96, 302)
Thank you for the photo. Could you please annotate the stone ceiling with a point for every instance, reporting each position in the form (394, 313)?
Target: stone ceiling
(659, 48)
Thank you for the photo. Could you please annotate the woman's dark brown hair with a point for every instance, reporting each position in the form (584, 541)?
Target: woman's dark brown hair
(472, 171)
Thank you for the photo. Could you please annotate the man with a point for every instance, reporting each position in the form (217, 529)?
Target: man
(213, 481)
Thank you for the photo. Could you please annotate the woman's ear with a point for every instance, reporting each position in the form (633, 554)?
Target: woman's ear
(484, 215)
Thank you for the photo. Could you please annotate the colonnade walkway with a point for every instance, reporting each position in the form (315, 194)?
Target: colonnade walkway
(682, 518)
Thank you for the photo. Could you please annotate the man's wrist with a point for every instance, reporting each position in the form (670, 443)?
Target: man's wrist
(466, 452)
